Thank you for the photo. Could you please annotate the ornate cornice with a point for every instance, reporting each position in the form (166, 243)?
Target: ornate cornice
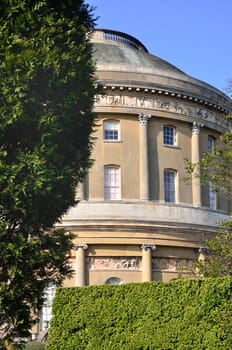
(142, 227)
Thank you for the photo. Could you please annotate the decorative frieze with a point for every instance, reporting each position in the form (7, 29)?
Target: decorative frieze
(113, 263)
(135, 263)
(160, 104)
(172, 264)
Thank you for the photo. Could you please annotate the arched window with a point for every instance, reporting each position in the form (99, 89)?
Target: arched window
(169, 185)
(111, 130)
(112, 183)
(169, 135)
(113, 280)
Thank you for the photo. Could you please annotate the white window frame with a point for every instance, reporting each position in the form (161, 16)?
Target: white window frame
(112, 182)
(111, 130)
(212, 192)
(169, 135)
(46, 310)
(170, 186)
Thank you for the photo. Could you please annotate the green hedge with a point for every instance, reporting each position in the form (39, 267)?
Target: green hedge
(34, 346)
(180, 315)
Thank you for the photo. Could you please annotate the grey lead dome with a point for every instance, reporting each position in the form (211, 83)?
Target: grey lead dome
(118, 52)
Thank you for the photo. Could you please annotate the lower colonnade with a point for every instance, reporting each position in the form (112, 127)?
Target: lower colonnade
(145, 264)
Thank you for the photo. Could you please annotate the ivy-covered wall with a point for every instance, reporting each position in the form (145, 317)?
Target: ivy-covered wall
(180, 315)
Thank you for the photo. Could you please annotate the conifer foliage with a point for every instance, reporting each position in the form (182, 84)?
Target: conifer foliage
(47, 89)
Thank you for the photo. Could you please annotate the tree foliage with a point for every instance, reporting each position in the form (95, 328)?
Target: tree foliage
(218, 261)
(47, 90)
(215, 165)
(216, 169)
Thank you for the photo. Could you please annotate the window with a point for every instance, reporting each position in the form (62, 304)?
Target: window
(169, 135)
(211, 143)
(112, 190)
(169, 185)
(46, 310)
(212, 196)
(111, 130)
(212, 192)
(113, 280)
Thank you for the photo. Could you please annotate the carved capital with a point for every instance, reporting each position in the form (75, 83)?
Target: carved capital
(196, 127)
(145, 246)
(80, 245)
(143, 119)
(204, 251)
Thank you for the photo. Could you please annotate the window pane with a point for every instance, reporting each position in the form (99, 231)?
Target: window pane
(113, 280)
(169, 186)
(212, 196)
(111, 130)
(111, 183)
(211, 143)
(169, 135)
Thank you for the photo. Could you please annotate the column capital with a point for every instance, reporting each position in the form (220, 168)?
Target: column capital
(143, 119)
(204, 251)
(196, 127)
(145, 246)
(80, 245)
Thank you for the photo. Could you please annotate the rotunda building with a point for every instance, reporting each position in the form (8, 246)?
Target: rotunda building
(137, 219)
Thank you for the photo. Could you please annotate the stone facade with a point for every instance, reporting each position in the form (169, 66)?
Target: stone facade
(137, 219)
(143, 94)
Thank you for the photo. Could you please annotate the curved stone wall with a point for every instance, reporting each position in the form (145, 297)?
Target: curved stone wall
(139, 234)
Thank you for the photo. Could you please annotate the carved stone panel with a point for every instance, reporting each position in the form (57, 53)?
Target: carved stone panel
(161, 104)
(171, 264)
(113, 263)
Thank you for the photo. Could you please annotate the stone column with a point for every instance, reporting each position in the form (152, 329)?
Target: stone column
(196, 182)
(147, 261)
(143, 157)
(80, 264)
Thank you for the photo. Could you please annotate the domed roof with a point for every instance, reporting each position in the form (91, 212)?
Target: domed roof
(122, 49)
(118, 52)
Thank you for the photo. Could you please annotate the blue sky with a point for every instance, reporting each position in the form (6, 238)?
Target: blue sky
(194, 35)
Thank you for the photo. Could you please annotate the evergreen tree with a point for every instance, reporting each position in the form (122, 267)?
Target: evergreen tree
(47, 91)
